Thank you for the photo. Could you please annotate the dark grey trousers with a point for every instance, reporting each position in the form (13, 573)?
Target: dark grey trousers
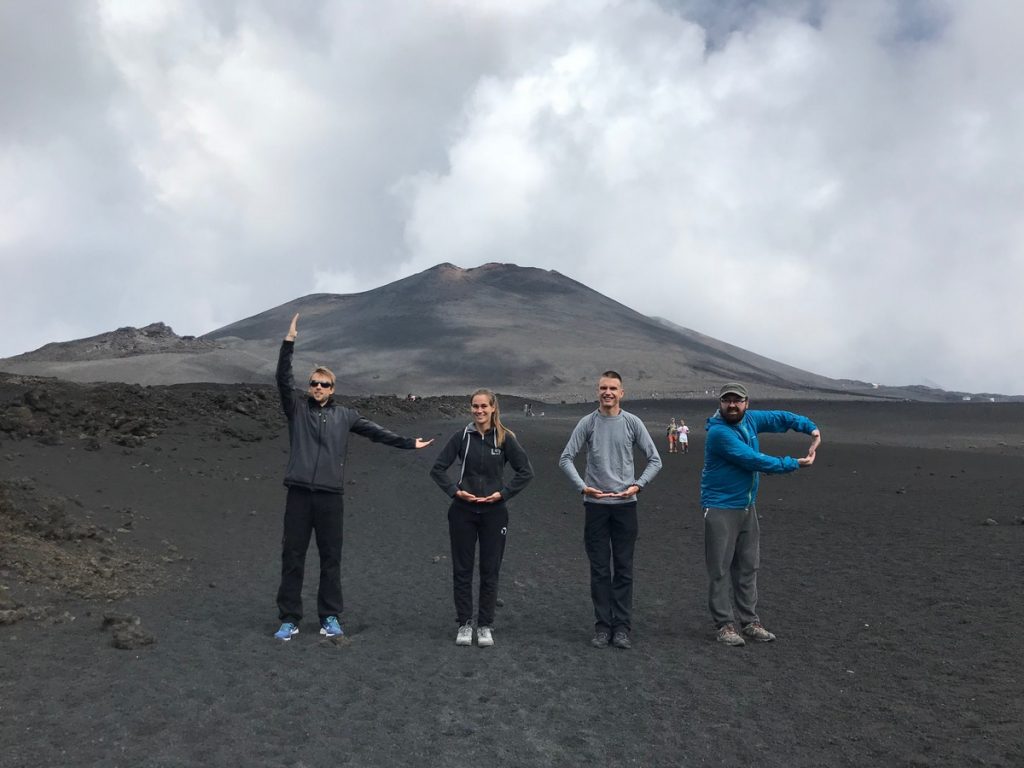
(732, 552)
(609, 536)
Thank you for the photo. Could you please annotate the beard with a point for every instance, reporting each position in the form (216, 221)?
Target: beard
(731, 415)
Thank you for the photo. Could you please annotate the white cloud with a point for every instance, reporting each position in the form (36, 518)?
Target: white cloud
(836, 185)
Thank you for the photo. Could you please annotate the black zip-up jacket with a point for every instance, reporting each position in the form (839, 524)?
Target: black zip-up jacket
(319, 434)
(483, 466)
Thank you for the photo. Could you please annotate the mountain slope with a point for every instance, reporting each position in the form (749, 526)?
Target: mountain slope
(445, 330)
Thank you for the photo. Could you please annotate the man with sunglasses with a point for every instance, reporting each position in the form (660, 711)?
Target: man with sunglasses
(318, 429)
(733, 463)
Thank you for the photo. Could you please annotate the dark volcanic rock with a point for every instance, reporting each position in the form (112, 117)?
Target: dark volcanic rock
(46, 540)
(127, 632)
(534, 332)
(124, 342)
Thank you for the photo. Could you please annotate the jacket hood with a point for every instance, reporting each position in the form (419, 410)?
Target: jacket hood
(715, 418)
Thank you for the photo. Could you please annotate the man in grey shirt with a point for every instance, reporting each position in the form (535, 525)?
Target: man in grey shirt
(609, 490)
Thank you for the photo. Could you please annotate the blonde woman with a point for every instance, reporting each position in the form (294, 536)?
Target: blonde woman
(478, 512)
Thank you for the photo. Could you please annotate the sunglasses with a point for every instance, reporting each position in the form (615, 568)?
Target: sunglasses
(321, 384)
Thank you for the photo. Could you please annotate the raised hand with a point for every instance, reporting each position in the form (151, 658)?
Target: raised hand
(293, 329)
(420, 442)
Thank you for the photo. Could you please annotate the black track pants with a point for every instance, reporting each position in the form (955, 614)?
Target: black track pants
(305, 512)
(466, 527)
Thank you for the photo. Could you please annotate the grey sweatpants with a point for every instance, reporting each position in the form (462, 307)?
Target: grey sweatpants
(732, 553)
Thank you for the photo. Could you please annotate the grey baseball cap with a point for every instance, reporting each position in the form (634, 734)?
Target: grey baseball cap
(732, 388)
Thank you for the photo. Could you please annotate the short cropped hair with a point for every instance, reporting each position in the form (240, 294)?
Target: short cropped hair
(323, 371)
(611, 375)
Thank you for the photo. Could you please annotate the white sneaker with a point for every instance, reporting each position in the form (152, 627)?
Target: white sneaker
(484, 638)
(465, 636)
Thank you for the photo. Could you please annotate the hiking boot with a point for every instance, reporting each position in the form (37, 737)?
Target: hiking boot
(331, 627)
(621, 640)
(600, 640)
(756, 631)
(286, 632)
(465, 635)
(484, 638)
(727, 634)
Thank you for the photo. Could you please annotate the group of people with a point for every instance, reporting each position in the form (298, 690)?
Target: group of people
(678, 437)
(318, 428)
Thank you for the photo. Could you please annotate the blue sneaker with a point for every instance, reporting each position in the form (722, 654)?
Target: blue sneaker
(331, 627)
(286, 632)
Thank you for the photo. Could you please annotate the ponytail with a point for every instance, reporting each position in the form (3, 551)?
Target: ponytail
(500, 429)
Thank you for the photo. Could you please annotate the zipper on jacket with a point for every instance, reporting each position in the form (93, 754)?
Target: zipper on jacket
(753, 476)
(320, 421)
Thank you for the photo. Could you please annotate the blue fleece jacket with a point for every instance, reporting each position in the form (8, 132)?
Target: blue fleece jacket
(733, 461)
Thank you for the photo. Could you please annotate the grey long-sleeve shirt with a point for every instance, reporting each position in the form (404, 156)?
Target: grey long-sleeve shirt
(609, 441)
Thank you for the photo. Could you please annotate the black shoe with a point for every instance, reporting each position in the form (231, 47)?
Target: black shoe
(600, 640)
(621, 640)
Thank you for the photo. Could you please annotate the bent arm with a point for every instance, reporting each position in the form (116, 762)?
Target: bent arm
(781, 421)
(517, 458)
(572, 448)
(646, 444)
(723, 442)
(439, 472)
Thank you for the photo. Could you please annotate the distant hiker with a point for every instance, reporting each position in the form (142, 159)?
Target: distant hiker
(728, 490)
(683, 437)
(609, 500)
(673, 435)
(478, 511)
(318, 429)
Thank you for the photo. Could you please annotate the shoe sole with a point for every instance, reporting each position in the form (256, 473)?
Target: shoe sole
(484, 644)
(325, 633)
(286, 639)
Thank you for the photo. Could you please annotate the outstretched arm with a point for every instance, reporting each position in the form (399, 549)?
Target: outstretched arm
(285, 379)
(377, 433)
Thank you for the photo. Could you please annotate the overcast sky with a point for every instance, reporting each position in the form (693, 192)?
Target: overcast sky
(836, 185)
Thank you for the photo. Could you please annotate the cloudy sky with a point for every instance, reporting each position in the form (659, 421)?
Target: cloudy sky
(838, 185)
